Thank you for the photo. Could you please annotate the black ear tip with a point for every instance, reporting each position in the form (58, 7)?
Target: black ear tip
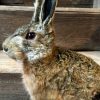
(49, 6)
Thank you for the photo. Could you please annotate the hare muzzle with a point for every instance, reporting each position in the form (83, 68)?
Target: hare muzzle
(5, 48)
(7, 45)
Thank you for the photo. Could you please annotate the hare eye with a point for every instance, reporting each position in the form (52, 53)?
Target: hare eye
(30, 35)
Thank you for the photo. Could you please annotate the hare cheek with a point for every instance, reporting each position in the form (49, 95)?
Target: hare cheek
(17, 42)
(15, 48)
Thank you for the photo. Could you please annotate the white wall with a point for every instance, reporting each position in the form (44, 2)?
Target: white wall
(96, 4)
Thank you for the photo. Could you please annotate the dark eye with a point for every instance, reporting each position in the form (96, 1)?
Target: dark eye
(30, 35)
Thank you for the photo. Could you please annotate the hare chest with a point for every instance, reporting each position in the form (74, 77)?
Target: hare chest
(36, 89)
(30, 85)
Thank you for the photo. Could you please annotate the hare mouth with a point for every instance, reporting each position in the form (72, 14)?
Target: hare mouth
(15, 54)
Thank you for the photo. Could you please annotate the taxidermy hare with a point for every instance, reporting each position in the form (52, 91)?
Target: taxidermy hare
(49, 72)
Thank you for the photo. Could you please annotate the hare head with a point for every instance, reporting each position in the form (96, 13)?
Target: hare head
(36, 39)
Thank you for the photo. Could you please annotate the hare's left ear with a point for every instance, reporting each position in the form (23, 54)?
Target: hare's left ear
(37, 10)
(47, 11)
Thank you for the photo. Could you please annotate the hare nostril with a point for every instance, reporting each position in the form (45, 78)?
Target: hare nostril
(5, 49)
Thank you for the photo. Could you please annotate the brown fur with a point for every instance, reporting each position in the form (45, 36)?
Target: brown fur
(68, 76)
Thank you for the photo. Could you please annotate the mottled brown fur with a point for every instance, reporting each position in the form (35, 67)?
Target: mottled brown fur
(68, 76)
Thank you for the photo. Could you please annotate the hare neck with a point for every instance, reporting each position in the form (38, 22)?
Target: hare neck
(40, 64)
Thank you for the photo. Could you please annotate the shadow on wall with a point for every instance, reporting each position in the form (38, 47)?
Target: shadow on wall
(94, 43)
(95, 39)
(76, 3)
(11, 1)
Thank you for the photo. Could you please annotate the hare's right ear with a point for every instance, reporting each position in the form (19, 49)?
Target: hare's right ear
(47, 11)
(37, 10)
(44, 11)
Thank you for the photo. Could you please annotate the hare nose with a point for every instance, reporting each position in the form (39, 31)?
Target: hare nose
(5, 49)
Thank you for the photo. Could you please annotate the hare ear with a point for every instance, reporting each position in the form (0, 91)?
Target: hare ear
(47, 11)
(37, 10)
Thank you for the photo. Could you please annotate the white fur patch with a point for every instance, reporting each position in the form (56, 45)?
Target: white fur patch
(30, 84)
(18, 40)
(38, 53)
